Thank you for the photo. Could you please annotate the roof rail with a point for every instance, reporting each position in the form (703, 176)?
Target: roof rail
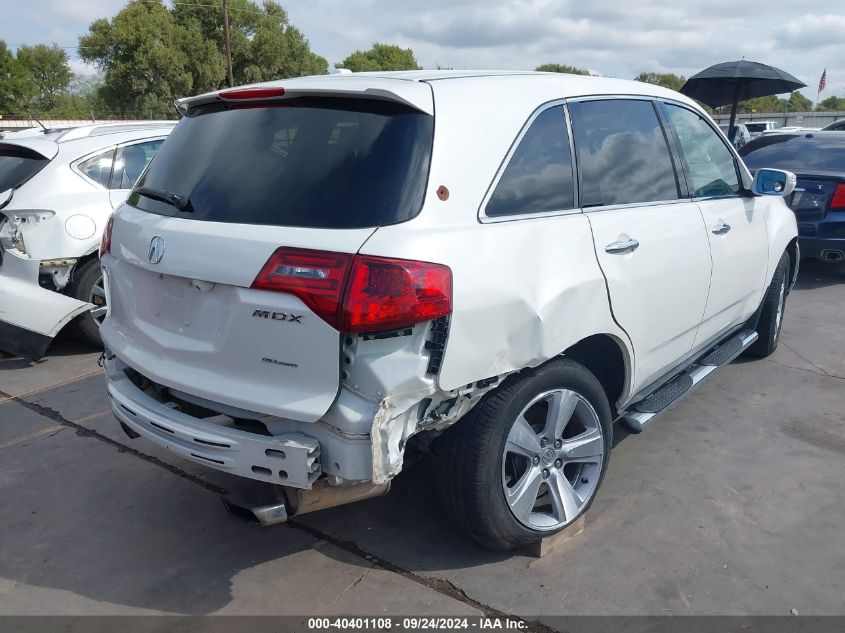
(99, 129)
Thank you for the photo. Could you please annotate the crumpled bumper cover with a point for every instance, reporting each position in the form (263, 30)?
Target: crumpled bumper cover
(30, 316)
(291, 459)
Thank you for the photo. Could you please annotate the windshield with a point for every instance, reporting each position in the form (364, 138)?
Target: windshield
(311, 162)
(798, 152)
(756, 127)
(18, 164)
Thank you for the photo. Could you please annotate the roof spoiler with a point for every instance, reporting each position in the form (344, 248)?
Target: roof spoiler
(414, 94)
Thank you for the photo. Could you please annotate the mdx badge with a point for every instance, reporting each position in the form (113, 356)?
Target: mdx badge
(278, 316)
(156, 251)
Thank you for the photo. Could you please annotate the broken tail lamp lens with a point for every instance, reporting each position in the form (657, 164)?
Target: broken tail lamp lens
(360, 293)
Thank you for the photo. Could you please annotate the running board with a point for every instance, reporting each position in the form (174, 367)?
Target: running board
(642, 413)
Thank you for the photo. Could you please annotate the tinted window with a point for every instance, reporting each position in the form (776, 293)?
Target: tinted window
(622, 153)
(710, 164)
(17, 165)
(130, 161)
(98, 168)
(756, 127)
(800, 152)
(539, 173)
(328, 163)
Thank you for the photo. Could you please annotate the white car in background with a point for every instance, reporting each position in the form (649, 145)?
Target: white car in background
(58, 189)
(756, 128)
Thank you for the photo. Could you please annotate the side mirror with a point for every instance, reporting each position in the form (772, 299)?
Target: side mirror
(773, 182)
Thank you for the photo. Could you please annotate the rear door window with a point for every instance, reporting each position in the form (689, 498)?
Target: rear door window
(538, 177)
(710, 164)
(98, 168)
(18, 164)
(130, 161)
(622, 153)
(310, 162)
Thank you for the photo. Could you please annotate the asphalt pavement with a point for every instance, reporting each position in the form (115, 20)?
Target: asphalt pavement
(732, 503)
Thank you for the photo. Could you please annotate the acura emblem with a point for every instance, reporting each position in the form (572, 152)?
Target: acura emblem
(156, 249)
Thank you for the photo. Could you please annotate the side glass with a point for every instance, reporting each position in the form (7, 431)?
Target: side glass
(98, 168)
(710, 163)
(538, 177)
(622, 153)
(130, 161)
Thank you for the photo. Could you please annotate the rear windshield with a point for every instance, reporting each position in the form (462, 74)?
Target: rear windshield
(757, 127)
(18, 164)
(321, 163)
(798, 152)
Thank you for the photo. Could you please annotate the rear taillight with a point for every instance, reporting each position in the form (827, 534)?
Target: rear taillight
(360, 293)
(838, 200)
(316, 277)
(105, 244)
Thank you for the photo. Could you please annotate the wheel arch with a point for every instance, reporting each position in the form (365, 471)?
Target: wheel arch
(607, 358)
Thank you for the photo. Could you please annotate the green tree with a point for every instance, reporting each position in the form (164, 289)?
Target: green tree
(769, 103)
(148, 60)
(667, 80)
(832, 103)
(48, 70)
(380, 57)
(15, 89)
(265, 45)
(562, 68)
(798, 103)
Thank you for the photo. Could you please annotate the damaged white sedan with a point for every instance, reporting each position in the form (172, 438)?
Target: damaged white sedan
(316, 276)
(57, 191)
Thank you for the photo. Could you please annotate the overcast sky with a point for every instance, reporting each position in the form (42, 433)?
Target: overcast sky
(618, 38)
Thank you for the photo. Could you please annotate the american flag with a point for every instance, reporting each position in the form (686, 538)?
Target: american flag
(823, 81)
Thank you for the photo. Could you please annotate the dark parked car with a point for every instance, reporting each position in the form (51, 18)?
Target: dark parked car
(836, 126)
(818, 160)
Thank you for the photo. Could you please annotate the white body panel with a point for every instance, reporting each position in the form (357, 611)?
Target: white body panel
(658, 292)
(740, 261)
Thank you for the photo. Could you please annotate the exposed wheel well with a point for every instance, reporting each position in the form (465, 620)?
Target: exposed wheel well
(603, 356)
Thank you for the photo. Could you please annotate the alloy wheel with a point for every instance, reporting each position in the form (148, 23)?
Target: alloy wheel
(97, 296)
(552, 460)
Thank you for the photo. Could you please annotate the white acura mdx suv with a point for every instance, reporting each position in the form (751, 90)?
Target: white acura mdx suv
(317, 275)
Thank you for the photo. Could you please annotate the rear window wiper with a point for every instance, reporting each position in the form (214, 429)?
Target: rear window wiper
(173, 199)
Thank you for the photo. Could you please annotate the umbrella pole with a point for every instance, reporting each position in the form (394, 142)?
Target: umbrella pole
(734, 106)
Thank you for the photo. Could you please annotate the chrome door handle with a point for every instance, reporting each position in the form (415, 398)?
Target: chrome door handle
(721, 228)
(622, 246)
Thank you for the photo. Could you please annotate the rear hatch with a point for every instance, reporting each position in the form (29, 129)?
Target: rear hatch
(20, 161)
(194, 252)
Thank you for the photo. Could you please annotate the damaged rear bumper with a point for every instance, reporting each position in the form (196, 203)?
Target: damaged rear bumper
(30, 316)
(290, 459)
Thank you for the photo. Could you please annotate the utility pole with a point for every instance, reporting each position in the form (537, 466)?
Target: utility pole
(228, 42)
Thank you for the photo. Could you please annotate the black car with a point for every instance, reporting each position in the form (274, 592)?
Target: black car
(818, 160)
(836, 126)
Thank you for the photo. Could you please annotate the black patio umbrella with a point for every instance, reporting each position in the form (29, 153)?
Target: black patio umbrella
(732, 82)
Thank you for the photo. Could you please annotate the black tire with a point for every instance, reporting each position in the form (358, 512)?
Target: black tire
(468, 457)
(84, 279)
(771, 316)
